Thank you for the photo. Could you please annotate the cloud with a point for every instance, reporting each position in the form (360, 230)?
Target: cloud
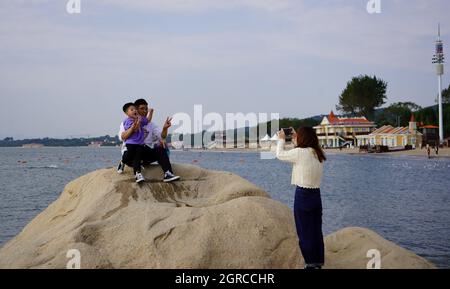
(333, 30)
(192, 50)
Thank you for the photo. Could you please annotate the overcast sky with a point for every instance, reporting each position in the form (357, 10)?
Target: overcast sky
(65, 75)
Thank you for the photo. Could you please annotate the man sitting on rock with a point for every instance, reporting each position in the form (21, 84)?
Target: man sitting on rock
(155, 143)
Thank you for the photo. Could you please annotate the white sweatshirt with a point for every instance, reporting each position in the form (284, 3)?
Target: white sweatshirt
(307, 171)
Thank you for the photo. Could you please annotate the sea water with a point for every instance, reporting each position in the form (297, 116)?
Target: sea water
(405, 199)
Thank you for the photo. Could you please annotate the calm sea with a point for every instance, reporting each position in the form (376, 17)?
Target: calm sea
(405, 199)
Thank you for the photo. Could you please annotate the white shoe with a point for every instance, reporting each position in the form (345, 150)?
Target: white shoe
(139, 178)
(120, 168)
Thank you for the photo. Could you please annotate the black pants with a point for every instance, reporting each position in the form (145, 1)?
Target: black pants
(157, 154)
(133, 156)
(308, 221)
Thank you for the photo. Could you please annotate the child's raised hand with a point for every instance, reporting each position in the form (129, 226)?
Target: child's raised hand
(136, 124)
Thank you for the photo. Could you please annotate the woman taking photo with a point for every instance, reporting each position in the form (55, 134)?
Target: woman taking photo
(307, 158)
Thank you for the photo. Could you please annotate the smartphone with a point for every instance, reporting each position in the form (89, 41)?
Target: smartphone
(287, 131)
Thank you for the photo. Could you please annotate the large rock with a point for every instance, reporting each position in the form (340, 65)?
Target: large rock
(348, 248)
(208, 220)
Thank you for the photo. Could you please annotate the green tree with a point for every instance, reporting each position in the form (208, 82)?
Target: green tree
(362, 96)
(291, 122)
(397, 114)
(446, 95)
(429, 115)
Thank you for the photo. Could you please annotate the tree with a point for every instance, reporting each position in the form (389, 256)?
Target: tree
(429, 115)
(446, 95)
(397, 114)
(362, 96)
(291, 122)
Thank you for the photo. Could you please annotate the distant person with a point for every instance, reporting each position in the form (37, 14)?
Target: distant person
(134, 154)
(428, 150)
(307, 158)
(155, 148)
(437, 149)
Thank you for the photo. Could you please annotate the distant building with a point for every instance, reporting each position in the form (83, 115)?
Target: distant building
(391, 137)
(32, 145)
(220, 139)
(178, 145)
(95, 144)
(430, 134)
(227, 139)
(336, 131)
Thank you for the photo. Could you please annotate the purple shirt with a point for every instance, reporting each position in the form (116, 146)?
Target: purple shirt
(137, 137)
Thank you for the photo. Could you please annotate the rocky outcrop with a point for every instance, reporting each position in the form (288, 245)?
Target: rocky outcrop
(348, 248)
(209, 219)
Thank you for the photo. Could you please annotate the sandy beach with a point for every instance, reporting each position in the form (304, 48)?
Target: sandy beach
(443, 152)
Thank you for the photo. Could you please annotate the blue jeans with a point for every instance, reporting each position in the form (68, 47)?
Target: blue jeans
(308, 221)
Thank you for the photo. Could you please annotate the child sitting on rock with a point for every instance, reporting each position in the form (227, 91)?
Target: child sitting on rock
(134, 154)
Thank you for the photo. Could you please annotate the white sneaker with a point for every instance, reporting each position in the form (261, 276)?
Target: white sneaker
(120, 168)
(169, 177)
(139, 178)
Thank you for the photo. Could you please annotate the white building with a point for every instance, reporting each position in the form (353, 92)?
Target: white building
(336, 131)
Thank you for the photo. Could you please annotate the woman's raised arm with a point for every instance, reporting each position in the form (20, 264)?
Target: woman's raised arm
(290, 156)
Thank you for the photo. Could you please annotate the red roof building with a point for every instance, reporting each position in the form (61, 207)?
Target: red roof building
(430, 134)
(392, 137)
(336, 131)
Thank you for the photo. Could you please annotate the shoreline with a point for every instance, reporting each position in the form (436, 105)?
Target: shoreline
(444, 153)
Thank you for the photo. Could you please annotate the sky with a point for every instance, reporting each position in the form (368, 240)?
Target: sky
(68, 75)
